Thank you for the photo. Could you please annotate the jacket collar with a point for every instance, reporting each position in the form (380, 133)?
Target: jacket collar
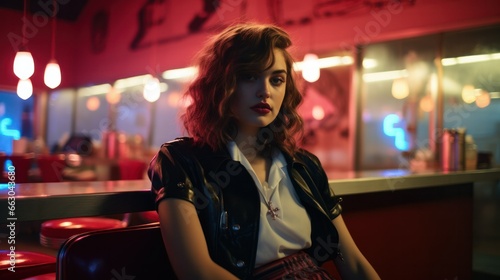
(298, 169)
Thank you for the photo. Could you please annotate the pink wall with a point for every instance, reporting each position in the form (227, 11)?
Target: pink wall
(82, 66)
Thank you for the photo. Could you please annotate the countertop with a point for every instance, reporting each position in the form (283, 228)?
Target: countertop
(41, 201)
(358, 182)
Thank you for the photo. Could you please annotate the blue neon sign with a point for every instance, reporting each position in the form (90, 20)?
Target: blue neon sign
(14, 133)
(393, 127)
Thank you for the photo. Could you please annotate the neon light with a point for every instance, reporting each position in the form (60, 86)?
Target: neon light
(14, 133)
(392, 127)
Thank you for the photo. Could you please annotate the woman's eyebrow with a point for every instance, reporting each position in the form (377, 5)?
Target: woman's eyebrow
(279, 71)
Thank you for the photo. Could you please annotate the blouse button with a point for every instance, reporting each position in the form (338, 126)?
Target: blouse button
(236, 227)
(181, 185)
(240, 263)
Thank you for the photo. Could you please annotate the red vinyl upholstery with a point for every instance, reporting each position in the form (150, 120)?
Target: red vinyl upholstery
(51, 167)
(135, 252)
(3, 158)
(132, 169)
(22, 164)
(54, 232)
(28, 264)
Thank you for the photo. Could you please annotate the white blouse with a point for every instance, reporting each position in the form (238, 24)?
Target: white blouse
(291, 230)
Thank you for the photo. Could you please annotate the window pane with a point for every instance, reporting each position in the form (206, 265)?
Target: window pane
(59, 116)
(397, 100)
(92, 116)
(472, 85)
(16, 120)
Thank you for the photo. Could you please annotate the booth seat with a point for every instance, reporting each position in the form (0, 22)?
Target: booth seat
(22, 164)
(135, 252)
(51, 167)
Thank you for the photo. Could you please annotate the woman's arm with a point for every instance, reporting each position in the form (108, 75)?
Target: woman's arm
(354, 265)
(185, 242)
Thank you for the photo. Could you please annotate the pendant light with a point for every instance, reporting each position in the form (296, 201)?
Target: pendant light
(52, 75)
(24, 89)
(310, 64)
(24, 66)
(152, 89)
(310, 68)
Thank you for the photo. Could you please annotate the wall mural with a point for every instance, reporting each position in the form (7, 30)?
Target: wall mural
(156, 16)
(155, 13)
(99, 31)
(299, 12)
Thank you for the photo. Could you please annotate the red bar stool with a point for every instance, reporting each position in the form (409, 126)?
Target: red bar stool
(53, 233)
(22, 164)
(48, 276)
(149, 216)
(131, 169)
(29, 265)
(134, 169)
(51, 167)
(3, 158)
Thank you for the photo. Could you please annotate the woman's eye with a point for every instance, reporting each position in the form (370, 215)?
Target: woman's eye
(277, 80)
(249, 77)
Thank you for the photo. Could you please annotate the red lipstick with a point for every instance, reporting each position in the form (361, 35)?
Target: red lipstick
(261, 108)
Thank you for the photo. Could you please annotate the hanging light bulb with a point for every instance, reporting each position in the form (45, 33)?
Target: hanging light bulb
(52, 75)
(113, 95)
(152, 89)
(24, 65)
(310, 68)
(400, 88)
(24, 89)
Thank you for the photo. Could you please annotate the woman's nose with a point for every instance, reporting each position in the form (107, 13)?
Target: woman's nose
(264, 94)
(264, 91)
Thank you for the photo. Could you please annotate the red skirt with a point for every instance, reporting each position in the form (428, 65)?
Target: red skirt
(297, 266)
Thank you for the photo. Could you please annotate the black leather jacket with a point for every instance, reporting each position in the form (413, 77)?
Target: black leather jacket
(228, 203)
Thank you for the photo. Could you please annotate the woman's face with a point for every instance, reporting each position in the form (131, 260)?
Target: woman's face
(258, 97)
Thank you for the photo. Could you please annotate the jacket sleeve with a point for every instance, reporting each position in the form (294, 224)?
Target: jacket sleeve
(332, 201)
(168, 178)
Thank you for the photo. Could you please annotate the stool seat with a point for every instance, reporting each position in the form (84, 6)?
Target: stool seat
(27, 264)
(54, 232)
(48, 276)
(149, 216)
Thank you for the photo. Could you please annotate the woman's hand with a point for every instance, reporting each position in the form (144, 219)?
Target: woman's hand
(354, 265)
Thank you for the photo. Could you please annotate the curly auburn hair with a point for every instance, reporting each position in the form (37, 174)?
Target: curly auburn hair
(237, 50)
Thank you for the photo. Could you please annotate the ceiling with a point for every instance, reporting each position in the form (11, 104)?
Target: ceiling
(69, 10)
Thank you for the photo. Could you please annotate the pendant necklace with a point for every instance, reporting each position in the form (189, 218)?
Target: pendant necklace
(272, 211)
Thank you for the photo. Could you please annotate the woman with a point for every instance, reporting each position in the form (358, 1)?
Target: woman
(238, 199)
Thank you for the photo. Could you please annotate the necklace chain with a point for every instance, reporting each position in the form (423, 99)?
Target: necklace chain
(271, 211)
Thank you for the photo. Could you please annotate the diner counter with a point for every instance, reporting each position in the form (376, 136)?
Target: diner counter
(359, 182)
(413, 225)
(40, 201)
